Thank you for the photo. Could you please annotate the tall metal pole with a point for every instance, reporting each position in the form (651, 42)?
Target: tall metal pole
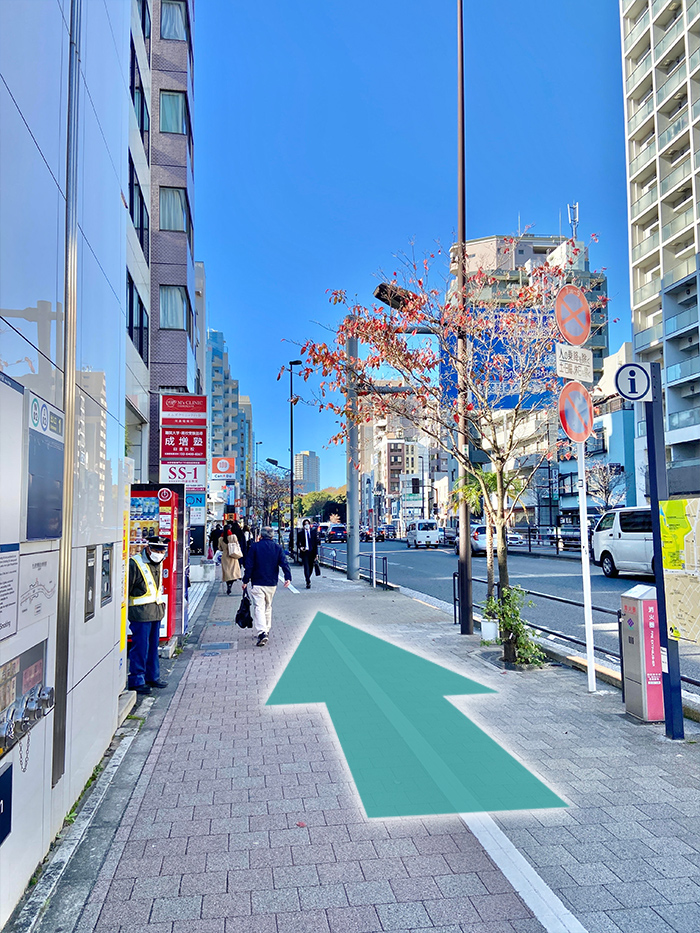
(658, 491)
(586, 566)
(291, 461)
(70, 305)
(466, 616)
(352, 544)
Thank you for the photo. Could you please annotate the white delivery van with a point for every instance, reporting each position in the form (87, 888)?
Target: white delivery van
(622, 540)
(422, 533)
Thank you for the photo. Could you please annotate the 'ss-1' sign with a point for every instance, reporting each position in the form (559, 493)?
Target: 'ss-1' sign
(191, 474)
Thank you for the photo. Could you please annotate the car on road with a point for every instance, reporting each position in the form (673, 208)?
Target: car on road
(422, 533)
(622, 541)
(513, 539)
(337, 533)
(450, 533)
(389, 532)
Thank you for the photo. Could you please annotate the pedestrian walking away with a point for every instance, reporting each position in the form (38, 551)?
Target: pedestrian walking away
(307, 545)
(232, 549)
(214, 536)
(263, 562)
(146, 609)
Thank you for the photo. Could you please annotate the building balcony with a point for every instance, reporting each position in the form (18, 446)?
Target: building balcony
(637, 31)
(646, 201)
(680, 271)
(643, 158)
(640, 70)
(679, 124)
(673, 81)
(688, 369)
(645, 247)
(677, 224)
(692, 11)
(694, 62)
(657, 6)
(675, 177)
(683, 419)
(646, 337)
(680, 321)
(647, 291)
(668, 38)
(640, 116)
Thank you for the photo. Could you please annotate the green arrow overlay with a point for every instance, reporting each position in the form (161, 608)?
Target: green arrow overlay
(410, 751)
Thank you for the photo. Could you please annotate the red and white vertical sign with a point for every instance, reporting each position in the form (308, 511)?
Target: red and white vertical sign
(183, 445)
(183, 429)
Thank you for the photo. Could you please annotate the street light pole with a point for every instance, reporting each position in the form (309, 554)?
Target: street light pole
(466, 616)
(292, 363)
(257, 484)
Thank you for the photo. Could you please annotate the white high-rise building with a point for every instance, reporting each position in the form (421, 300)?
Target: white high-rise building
(307, 472)
(661, 54)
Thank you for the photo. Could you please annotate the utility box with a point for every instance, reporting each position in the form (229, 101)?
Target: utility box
(641, 654)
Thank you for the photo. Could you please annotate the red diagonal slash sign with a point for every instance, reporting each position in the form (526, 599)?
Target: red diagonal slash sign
(576, 411)
(573, 315)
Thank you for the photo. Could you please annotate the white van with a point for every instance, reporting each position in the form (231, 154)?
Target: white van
(422, 532)
(622, 540)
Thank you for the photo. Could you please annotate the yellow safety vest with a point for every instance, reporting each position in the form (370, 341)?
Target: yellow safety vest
(153, 594)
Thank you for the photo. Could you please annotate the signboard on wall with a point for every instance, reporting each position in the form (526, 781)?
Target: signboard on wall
(191, 474)
(45, 469)
(183, 410)
(183, 444)
(223, 468)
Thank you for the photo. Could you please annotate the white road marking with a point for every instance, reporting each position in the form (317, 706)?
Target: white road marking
(540, 898)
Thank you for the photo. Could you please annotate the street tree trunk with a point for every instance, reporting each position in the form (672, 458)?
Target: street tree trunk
(501, 543)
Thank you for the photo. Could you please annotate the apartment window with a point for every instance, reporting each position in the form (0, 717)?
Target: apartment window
(139, 99)
(138, 209)
(175, 116)
(137, 319)
(174, 307)
(173, 20)
(175, 211)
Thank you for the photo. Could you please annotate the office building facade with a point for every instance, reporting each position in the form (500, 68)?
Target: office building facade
(74, 294)
(661, 59)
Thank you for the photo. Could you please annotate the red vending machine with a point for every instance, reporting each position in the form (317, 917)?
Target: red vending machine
(154, 511)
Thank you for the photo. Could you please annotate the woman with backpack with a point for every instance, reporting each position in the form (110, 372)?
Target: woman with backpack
(232, 545)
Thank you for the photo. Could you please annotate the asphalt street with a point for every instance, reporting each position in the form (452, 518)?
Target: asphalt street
(430, 572)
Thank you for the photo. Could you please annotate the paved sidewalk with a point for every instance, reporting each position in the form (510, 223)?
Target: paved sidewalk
(245, 818)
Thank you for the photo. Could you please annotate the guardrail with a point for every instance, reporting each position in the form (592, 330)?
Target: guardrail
(329, 558)
(617, 655)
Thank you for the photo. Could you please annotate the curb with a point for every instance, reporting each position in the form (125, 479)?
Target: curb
(691, 702)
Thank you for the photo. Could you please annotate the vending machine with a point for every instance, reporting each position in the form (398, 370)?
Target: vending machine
(155, 510)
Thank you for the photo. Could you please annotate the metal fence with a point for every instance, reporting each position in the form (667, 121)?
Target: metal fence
(327, 555)
(539, 629)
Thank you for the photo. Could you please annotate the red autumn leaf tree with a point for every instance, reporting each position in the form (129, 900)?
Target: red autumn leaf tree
(506, 379)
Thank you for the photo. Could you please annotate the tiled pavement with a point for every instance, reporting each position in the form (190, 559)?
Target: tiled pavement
(245, 818)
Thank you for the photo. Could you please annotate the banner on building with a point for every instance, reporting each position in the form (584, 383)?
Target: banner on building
(223, 468)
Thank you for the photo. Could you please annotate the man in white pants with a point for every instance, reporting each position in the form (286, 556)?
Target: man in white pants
(262, 566)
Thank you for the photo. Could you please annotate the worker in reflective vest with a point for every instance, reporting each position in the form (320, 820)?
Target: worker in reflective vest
(146, 609)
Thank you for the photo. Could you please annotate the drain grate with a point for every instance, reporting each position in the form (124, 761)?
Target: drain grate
(218, 646)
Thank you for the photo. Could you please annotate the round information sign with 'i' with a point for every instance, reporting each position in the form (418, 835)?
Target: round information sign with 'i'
(573, 315)
(576, 411)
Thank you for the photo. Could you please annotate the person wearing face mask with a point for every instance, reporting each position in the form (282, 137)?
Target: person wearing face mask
(146, 609)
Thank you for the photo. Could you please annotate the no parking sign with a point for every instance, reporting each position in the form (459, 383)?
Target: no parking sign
(576, 411)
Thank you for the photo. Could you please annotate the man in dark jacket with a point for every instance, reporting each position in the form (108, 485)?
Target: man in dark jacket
(146, 609)
(262, 566)
(307, 545)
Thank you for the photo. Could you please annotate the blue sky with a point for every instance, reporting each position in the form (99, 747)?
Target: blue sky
(326, 142)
